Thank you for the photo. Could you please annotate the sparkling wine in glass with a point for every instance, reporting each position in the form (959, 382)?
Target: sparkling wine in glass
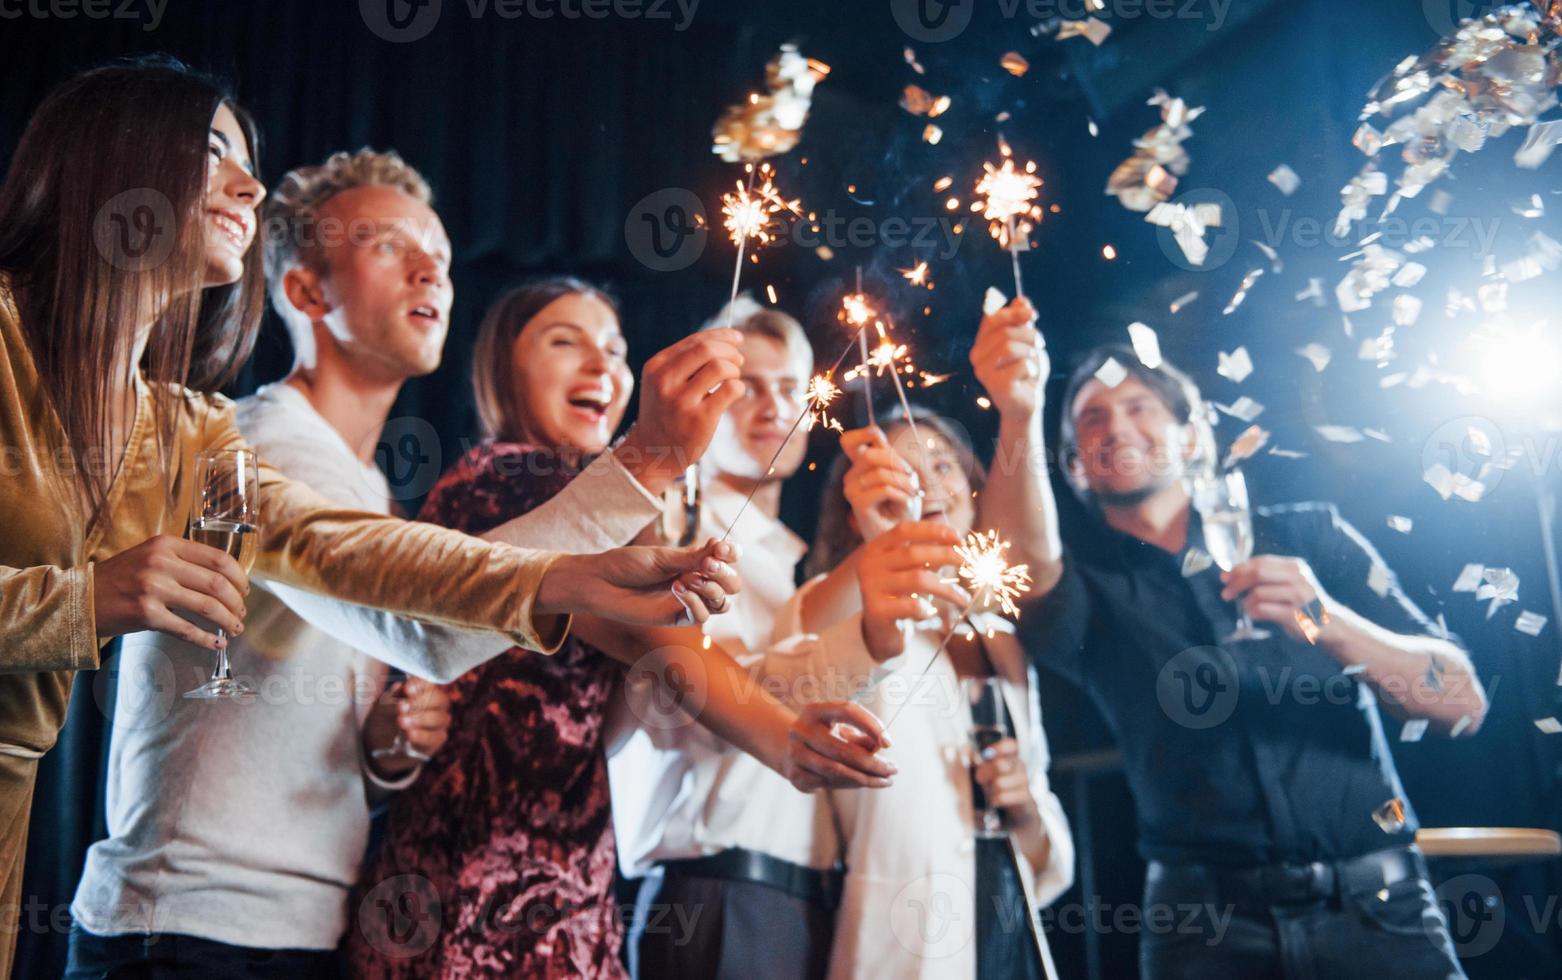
(227, 517)
(401, 747)
(1228, 534)
(989, 726)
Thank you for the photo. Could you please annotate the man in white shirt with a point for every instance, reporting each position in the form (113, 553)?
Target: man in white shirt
(699, 823)
(237, 830)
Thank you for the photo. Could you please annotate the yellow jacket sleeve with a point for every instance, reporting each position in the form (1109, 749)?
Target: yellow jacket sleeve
(46, 619)
(413, 569)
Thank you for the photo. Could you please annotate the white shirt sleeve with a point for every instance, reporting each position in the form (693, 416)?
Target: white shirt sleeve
(604, 507)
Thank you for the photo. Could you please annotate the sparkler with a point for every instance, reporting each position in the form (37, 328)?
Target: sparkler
(1008, 195)
(753, 212)
(986, 574)
(856, 312)
(820, 393)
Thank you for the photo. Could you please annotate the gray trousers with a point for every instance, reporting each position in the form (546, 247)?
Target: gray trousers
(688, 928)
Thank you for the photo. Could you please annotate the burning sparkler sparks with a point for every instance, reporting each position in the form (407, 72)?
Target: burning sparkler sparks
(987, 574)
(1007, 200)
(917, 275)
(752, 211)
(821, 392)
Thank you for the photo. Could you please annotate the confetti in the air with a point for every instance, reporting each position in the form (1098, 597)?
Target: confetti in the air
(1530, 622)
(1235, 366)
(1243, 408)
(1093, 30)
(765, 125)
(1316, 354)
(1400, 524)
(1285, 178)
(1111, 373)
(1146, 344)
(1182, 301)
(1339, 433)
(1413, 730)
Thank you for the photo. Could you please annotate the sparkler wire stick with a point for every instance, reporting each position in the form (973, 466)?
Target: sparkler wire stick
(807, 410)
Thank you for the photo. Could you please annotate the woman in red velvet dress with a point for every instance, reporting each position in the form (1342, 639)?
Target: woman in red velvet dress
(499, 860)
(510, 825)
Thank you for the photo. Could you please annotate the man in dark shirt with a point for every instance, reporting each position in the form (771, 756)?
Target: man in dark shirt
(1269, 807)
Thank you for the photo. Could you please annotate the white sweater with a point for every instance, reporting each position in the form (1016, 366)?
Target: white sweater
(246, 823)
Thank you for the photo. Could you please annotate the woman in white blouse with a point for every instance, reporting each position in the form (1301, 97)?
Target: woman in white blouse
(909, 907)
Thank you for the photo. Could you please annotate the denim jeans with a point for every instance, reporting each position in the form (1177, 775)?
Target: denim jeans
(1397, 931)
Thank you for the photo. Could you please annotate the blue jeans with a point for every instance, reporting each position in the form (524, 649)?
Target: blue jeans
(167, 956)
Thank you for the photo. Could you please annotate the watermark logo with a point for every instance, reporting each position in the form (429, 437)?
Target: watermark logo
(1443, 16)
(1198, 687)
(666, 229)
(146, 688)
(149, 12)
(934, 916)
(1221, 239)
(135, 230)
(666, 692)
(409, 453)
(932, 21)
(1475, 911)
(401, 916)
(1467, 446)
(400, 21)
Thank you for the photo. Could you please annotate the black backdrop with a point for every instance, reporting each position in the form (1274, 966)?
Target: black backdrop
(540, 137)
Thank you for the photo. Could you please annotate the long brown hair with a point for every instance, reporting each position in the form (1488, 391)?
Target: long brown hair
(101, 231)
(834, 536)
(501, 409)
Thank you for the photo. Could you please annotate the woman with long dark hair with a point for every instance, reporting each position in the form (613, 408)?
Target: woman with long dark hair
(127, 288)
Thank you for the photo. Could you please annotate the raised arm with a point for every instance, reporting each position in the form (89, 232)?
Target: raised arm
(1010, 360)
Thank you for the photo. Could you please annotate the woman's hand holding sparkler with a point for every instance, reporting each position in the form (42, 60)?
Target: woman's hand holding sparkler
(684, 391)
(881, 486)
(1010, 359)
(898, 573)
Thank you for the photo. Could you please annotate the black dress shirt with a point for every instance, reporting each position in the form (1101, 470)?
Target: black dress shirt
(1252, 752)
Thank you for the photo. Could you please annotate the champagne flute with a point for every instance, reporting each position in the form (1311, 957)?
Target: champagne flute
(400, 747)
(989, 726)
(227, 517)
(1228, 534)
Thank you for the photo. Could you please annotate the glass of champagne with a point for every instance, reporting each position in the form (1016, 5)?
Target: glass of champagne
(989, 726)
(401, 746)
(1228, 533)
(227, 517)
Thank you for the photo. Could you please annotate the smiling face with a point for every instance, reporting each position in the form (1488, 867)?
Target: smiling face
(384, 288)
(940, 472)
(572, 381)
(232, 195)
(1130, 445)
(754, 428)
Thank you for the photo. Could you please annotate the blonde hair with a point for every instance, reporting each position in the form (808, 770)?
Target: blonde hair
(748, 316)
(292, 216)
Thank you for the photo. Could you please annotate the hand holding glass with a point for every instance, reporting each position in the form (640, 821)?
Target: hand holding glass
(227, 517)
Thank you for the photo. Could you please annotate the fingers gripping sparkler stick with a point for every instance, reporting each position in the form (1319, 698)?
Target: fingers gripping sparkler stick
(985, 570)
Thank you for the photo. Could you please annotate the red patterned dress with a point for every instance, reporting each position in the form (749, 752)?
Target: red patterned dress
(499, 860)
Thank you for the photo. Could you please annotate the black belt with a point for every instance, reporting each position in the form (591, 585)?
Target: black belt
(1283, 884)
(821, 888)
